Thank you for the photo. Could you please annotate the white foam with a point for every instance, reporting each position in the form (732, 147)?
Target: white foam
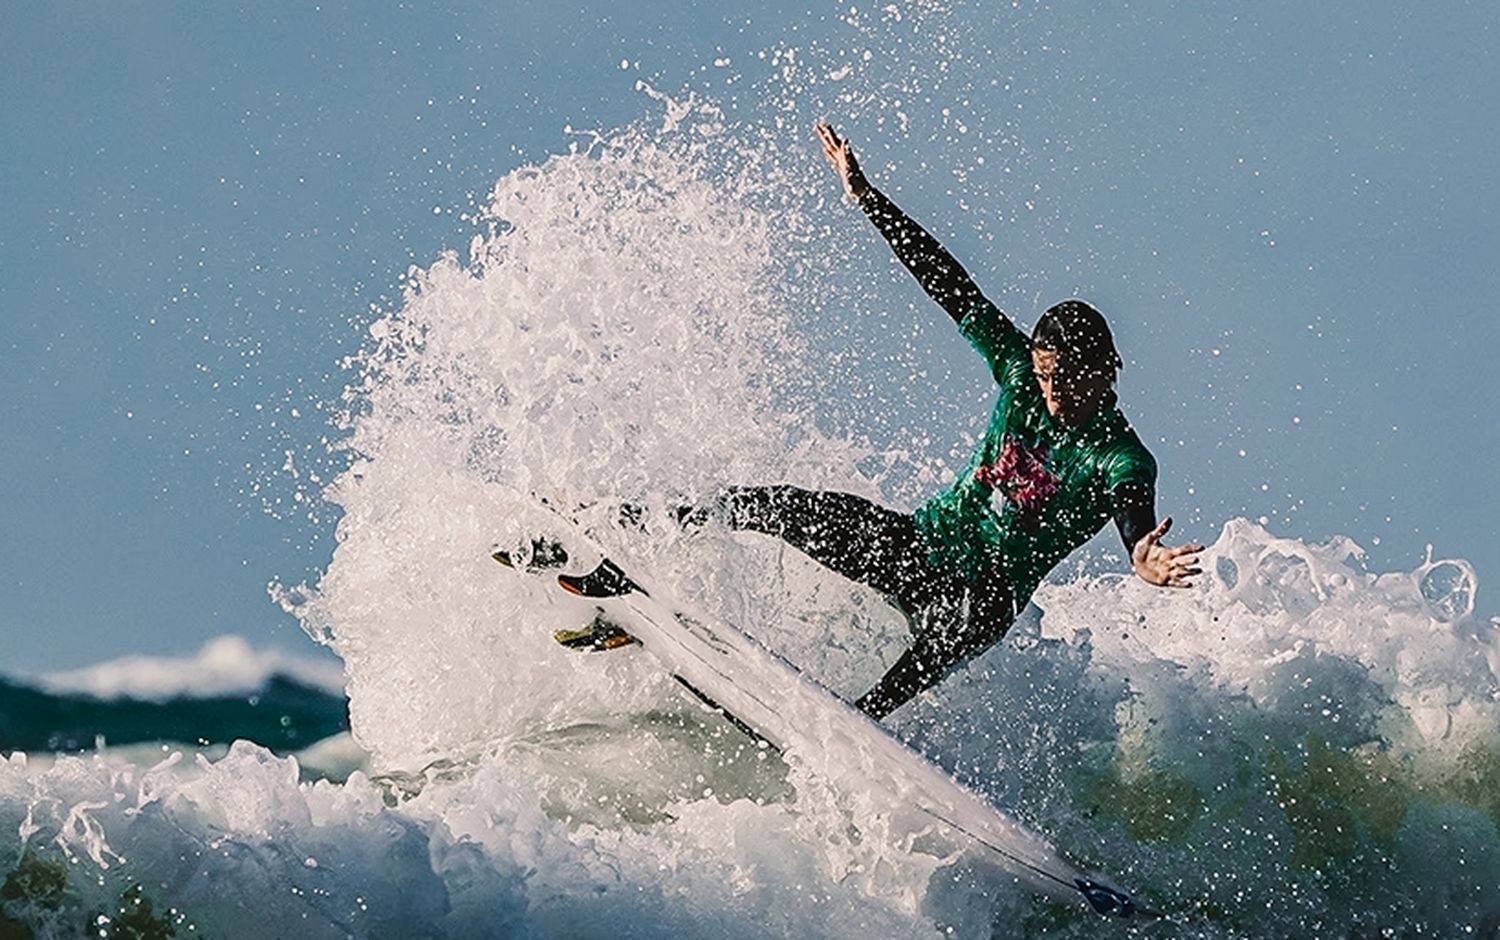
(1305, 627)
(1248, 755)
(238, 847)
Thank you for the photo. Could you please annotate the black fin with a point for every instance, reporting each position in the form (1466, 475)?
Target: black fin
(607, 580)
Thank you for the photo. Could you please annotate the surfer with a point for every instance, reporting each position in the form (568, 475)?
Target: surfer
(1057, 462)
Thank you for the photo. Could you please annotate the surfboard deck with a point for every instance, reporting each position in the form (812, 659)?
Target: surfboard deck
(771, 700)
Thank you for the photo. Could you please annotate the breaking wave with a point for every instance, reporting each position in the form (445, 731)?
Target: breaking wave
(1300, 747)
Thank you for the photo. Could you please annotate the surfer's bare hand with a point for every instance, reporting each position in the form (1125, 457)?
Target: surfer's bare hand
(838, 152)
(1163, 565)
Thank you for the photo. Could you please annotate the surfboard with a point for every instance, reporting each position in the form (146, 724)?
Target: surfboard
(772, 700)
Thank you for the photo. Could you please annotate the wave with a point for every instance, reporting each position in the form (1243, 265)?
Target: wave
(225, 693)
(1283, 751)
(1301, 747)
(226, 665)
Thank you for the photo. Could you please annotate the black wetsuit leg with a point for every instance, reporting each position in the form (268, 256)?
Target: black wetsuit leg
(955, 628)
(951, 621)
(854, 537)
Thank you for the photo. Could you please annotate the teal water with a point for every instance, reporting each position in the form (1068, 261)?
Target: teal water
(283, 715)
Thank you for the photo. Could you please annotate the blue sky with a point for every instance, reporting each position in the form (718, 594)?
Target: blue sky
(1287, 214)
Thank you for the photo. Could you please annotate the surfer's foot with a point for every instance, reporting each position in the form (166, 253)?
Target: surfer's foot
(691, 518)
(542, 554)
(687, 518)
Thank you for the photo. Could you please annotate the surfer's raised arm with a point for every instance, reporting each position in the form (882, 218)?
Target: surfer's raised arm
(939, 273)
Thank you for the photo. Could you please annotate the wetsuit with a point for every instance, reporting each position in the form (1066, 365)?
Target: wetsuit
(965, 564)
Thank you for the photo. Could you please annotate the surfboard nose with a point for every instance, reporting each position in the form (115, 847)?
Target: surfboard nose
(1110, 901)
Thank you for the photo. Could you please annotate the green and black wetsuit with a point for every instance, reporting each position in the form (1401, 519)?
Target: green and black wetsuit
(1035, 489)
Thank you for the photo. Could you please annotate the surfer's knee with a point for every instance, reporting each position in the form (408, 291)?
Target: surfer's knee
(940, 625)
(949, 636)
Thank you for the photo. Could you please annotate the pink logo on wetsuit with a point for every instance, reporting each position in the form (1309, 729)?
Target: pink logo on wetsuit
(1023, 477)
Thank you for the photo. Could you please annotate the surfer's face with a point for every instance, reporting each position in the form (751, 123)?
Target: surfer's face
(1044, 367)
(1069, 396)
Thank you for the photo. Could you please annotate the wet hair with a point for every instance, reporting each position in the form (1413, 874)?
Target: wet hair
(1078, 334)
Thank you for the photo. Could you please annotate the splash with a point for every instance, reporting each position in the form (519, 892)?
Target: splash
(1298, 738)
(1284, 750)
(1300, 748)
(618, 334)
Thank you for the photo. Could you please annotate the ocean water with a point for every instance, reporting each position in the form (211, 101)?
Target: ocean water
(227, 691)
(1300, 747)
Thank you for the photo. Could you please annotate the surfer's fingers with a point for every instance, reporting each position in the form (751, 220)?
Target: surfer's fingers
(1154, 536)
(1189, 572)
(835, 146)
(839, 157)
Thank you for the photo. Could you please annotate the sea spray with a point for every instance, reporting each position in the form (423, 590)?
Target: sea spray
(1299, 740)
(612, 339)
(238, 848)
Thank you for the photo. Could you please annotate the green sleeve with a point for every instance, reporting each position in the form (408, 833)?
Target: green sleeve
(1130, 462)
(999, 342)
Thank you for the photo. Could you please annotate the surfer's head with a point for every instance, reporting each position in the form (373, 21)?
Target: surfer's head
(1073, 356)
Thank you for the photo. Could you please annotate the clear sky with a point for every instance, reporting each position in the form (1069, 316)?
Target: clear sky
(1286, 211)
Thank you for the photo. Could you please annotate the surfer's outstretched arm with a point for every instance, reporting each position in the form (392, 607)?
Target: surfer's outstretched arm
(1134, 509)
(1164, 565)
(939, 273)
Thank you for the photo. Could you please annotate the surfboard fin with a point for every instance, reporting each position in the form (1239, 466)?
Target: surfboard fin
(607, 580)
(600, 635)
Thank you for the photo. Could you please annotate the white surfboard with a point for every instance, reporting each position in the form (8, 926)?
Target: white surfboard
(771, 699)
